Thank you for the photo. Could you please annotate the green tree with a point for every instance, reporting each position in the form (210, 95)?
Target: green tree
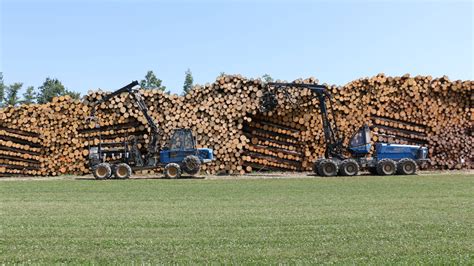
(2, 89)
(73, 94)
(267, 78)
(151, 82)
(52, 88)
(188, 82)
(29, 96)
(12, 94)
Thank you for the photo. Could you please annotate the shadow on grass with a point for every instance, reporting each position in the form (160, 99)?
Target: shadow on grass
(139, 178)
(359, 174)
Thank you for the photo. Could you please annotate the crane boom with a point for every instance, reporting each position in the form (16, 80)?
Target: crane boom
(334, 144)
(138, 99)
(387, 159)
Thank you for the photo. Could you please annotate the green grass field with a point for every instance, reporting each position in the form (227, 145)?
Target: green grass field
(426, 219)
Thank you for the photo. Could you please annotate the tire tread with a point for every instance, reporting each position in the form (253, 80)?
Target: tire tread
(168, 166)
(382, 162)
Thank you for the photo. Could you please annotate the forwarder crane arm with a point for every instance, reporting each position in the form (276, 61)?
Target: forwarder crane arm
(334, 143)
(137, 97)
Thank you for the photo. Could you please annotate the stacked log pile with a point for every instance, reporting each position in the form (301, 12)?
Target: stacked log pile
(53, 138)
(423, 111)
(20, 151)
(42, 139)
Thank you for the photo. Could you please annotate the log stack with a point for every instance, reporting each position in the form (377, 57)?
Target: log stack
(53, 138)
(42, 139)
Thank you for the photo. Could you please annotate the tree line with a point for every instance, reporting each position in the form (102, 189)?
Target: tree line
(52, 87)
(9, 94)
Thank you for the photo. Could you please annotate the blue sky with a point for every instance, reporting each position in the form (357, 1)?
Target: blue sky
(107, 44)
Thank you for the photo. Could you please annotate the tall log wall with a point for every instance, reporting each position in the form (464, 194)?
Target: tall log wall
(52, 138)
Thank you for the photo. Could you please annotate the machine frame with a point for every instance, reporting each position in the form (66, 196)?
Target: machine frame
(388, 158)
(175, 160)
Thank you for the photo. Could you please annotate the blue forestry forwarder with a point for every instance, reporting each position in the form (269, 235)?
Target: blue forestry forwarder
(117, 159)
(387, 159)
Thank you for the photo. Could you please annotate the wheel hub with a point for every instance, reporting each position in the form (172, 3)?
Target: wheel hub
(172, 172)
(329, 168)
(101, 171)
(122, 171)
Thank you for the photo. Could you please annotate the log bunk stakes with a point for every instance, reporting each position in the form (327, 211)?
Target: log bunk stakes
(52, 138)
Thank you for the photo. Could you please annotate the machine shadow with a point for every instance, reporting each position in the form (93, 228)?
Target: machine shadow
(140, 178)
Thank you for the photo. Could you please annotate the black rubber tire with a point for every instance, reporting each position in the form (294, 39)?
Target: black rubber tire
(349, 167)
(327, 167)
(191, 164)
(406, 167)
(372, 170)
(316, 165)
(112, 171)
(102, 171)
(386, 167)
(122, 171)
(173, 171)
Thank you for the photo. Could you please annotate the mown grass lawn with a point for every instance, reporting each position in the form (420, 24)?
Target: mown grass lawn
(425, 219)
